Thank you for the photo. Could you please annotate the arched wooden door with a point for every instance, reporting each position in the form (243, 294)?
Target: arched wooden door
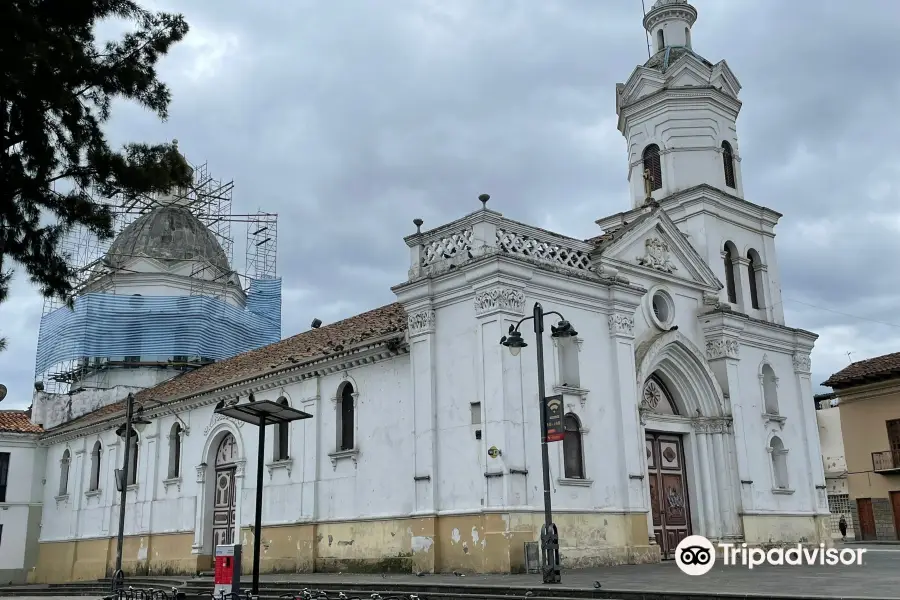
(224, 493)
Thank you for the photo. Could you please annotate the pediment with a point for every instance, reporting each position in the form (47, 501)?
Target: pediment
(643, 82)
(724, 79)
(655, 244)
(688, 70)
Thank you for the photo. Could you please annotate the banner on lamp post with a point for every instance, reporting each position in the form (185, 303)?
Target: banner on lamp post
(554, 415)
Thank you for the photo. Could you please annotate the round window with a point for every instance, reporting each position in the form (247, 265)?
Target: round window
(663, 310)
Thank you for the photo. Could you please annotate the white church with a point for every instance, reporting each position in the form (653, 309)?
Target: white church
(687, 399)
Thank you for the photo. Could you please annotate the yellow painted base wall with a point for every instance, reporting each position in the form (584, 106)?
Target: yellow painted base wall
(782, 529)
(478, 543)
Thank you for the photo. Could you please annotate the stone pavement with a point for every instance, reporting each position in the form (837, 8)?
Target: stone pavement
(877, 577)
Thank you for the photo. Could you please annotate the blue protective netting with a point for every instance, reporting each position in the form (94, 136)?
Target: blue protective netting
(109, 325)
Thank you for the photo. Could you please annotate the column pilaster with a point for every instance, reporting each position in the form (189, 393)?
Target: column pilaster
(630, 433)
(199, 521)
(810, 439)
(422, 322)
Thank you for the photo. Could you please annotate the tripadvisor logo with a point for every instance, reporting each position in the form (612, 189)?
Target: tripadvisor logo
(695, 555)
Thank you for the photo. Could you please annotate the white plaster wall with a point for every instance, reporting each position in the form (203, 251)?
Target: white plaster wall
(306, 486)
(797, 432)
(23, 493)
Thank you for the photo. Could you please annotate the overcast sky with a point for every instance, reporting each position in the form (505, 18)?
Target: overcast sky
(349, 118)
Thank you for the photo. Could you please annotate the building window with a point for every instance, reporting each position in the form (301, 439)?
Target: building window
(728, 160)
(770, 389)
(779, 463)
(687, 37)
(573, 456)
(660, 40)
(728, 257)
(133, 460)
(132, 362)
(346, 413)
(569, 371)
(653, 164)
(64, 473)
(175, 451)
(4, 474)
(282, 440)
(754, 277)
(94, 484)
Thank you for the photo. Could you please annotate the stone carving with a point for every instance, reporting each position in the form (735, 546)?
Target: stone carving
(508, 299)
(710, 299)
(215, 418)
(657, 256)
(722, 349)
(712, 424)
(802, 363)
(201, 472)
(652, 395)
(421, 322)
(621, 324)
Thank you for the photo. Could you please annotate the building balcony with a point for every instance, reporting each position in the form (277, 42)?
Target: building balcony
(886, 462)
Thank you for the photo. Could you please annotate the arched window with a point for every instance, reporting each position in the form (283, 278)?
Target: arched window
(660, 40)
(175, 451)
(652, 163)
(770, 393)
(753, 277)
(94, 483)
(64, 473)
(282, 440)
(729, 256)
(133, 459)
(573, 455)
(779, 463)
(346, 416)
(728, 159)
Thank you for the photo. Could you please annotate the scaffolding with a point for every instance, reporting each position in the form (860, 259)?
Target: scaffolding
(210, 200)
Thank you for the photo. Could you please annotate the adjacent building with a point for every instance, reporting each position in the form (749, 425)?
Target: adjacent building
(868, 394)
(22, 465)
(684, 396)
(832, 442)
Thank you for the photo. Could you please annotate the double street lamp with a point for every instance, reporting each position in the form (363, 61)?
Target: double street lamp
(550, 566)
(134, 425)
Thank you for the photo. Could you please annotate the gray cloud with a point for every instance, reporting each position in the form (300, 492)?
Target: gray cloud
(350, 119)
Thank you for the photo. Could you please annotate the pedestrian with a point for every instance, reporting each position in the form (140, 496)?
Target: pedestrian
(842, 525)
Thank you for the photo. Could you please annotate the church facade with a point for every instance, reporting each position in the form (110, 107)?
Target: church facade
(687, 401)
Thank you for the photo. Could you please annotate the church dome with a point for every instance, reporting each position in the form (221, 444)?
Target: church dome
(169, 233)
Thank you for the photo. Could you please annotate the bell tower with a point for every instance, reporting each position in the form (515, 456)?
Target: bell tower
(678, 113)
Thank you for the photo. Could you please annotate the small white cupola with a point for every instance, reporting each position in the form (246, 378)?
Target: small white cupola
(669, 24)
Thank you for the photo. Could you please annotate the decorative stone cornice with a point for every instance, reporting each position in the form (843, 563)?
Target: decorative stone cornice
(621, 325)
(712, 424)
(802, 363)
(421, 322)
(497, 299)
(722, 348)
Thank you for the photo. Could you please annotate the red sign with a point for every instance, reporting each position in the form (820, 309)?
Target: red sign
(554, 416)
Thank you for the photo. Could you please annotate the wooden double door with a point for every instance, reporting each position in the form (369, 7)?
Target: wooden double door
(669, 502)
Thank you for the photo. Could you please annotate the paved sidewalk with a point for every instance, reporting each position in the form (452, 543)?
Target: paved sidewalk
(877, 577)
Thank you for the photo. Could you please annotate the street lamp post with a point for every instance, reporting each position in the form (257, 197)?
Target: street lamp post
(134, 424)
(260, 414)
(549, 534)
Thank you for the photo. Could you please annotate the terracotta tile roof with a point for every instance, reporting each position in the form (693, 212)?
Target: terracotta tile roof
(18, 421)
(866, 371)
(315, 343)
